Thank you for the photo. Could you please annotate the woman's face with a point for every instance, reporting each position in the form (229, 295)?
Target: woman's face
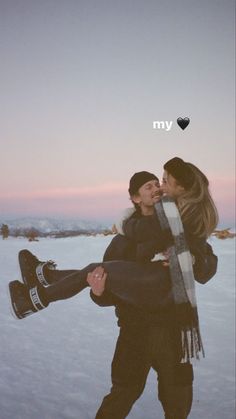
(170, 186)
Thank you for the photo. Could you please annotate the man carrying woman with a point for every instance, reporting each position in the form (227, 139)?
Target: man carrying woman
(165, 332)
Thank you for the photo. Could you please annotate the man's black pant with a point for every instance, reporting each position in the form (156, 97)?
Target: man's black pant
(137, 350)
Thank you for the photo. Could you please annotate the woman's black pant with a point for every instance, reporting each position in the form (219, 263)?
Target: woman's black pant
(138, 349)
(145, 285)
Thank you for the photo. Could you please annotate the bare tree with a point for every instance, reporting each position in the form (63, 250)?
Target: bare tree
(5, 231)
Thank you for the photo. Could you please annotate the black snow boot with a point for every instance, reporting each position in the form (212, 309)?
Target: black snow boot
(33, 270)
(25, 301)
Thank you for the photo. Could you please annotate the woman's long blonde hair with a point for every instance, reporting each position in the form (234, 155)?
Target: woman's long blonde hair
(197, 209)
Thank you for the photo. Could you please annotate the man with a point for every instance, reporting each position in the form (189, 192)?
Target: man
(146, 339)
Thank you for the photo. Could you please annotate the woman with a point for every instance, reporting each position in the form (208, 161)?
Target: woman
(144, 284)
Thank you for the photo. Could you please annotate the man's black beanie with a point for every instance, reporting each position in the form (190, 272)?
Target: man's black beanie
(180, 171)
(138, 180)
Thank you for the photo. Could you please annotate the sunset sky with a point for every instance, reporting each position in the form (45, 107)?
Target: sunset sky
(81, 84)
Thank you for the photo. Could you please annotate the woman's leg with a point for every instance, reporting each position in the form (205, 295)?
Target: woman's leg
(145, 285)
(56, 275)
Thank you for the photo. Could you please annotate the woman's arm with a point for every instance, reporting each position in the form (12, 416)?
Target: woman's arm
(142, 228)
(146, 232)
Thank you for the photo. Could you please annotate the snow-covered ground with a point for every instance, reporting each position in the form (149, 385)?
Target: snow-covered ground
(56, 364)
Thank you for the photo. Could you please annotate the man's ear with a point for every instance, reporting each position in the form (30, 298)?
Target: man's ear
(136, 199)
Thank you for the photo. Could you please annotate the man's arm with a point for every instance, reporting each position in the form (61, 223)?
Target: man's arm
(104, 300)
(120, 248)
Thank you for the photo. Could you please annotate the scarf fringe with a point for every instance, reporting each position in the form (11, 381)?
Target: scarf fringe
(191, 344)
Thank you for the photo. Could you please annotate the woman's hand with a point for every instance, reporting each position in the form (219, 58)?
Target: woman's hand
(166, 261)
(96, 279)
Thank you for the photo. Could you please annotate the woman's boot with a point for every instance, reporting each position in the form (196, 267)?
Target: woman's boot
(26, 301)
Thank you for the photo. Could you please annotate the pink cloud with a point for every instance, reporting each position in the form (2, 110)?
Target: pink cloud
(90, 202)
(69, 191)
(106, 200)
(223, 192)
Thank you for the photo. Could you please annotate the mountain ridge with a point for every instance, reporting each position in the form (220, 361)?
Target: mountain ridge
(48, 225)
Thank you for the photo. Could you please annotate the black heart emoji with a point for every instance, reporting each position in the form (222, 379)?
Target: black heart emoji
(183, 123)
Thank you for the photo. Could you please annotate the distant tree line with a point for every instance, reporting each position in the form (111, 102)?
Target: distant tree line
(33, 234)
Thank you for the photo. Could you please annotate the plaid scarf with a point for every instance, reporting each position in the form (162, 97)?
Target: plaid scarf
(182, 278)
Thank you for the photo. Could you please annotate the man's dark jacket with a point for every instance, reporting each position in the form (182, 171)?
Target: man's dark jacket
(143, 239)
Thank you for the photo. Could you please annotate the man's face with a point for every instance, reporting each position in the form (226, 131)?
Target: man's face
(148, 194)
(170, 186)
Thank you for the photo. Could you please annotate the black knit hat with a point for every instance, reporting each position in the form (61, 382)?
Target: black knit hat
(180, 171)
(138, 180)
